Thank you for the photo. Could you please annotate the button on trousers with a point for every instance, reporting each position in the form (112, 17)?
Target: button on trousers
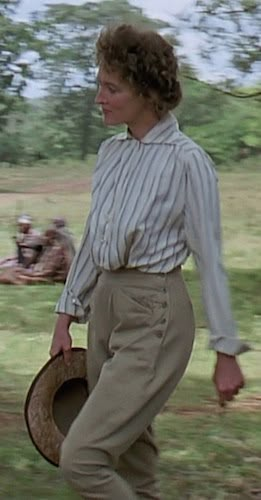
(141, 334)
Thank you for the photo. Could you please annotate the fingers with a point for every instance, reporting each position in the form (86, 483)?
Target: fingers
(228, 379)
(62, 341)
(242, 384)
(54, 351)
(222, 401)
(224, 397)
(228, 395)
(67, 354)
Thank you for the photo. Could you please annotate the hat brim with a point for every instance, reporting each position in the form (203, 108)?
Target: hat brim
(53, 401)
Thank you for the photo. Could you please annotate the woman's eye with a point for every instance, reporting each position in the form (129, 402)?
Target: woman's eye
(112, 90)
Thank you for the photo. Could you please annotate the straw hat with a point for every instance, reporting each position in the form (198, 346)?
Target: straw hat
(54, 399)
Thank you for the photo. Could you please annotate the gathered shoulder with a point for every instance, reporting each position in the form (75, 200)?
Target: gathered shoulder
(110, 140)
(194, 157)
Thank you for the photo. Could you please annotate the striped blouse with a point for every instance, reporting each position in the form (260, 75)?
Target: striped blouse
(154, 201)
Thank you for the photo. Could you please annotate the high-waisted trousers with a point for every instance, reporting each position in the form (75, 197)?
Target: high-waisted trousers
(141, 333)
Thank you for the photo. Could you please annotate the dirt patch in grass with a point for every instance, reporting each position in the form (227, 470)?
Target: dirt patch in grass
(210, 407)
(50, 187)
(15, 421)
(65, 186)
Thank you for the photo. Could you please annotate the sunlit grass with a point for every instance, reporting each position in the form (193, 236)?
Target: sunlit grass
(206, 453)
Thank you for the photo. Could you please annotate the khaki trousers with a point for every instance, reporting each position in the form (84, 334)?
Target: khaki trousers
(140, 340)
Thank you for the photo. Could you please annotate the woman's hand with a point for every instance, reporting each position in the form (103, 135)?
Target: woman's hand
(228, 378)
(62, 340)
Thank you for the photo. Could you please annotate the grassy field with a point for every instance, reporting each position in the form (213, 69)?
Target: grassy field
(206, 453)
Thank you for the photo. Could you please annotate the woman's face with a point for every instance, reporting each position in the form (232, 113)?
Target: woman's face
(118, 100)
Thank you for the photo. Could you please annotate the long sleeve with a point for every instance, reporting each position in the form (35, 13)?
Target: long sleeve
(202, 228)
(83, 274)
(81, 281)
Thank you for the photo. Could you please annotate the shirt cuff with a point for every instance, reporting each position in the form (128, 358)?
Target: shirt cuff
(229, 345)
(71, 305)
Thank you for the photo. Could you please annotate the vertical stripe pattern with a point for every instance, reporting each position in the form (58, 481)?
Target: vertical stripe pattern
(154, 201)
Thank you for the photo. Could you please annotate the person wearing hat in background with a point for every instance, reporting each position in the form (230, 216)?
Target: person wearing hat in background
(27, 242)
(154, 201)
(61, 224)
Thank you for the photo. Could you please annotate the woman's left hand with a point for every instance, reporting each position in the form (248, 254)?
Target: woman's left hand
(228, 378)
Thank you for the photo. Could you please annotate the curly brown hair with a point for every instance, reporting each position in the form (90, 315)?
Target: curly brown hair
(145, 60)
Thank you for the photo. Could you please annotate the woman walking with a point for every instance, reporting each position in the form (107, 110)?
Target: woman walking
(154, 201)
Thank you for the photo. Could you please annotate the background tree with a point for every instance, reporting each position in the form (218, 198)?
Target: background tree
(66, 123)
(228, 31)
(68, 34)
(227, 128)
(15, 39)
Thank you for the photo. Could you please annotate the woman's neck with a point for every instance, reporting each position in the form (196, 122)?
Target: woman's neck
(143, 125)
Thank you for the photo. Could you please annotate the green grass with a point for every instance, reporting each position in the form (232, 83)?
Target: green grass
(22, 179)
(206, 453)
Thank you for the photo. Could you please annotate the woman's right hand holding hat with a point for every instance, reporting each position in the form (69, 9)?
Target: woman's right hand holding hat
(62, 340)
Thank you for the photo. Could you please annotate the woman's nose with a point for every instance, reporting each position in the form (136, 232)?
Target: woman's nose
(100, 97)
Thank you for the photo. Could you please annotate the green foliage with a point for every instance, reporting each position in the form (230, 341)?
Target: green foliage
(15, 39)
(67, 124)
(68, 34)
(230, 28)
(70, 125)
(226, 127)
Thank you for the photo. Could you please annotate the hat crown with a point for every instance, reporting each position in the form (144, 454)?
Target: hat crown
(24, 219)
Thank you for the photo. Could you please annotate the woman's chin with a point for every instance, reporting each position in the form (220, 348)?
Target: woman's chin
(108, 119)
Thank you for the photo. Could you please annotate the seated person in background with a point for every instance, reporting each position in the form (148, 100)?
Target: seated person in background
(52, 267)
(61, 224)
(28, 244)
